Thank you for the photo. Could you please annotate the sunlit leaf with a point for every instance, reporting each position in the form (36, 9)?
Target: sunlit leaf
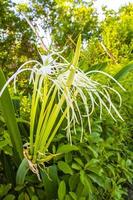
(65, 167)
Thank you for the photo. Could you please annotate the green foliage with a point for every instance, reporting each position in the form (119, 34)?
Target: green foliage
(50, 181)
(72, 17)
(22, 171)
(10, 119)
(101, 166)
(16, 40)
(5, 143)
(117, 33)
(4, 189)
(66, 148)
(62, 190)
(124, 71)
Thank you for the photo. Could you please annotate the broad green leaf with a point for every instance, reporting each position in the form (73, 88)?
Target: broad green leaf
(101, 181)
(96, 169)
(73, 195)
(21, 196)
(76, 166)
(112, 169)
(9, 171)
(93, 162)
(5, 143)
(10, 119)
(26, 196)
(34, 197)
(67, 197)
(67, 148)
(86, 181)
(68, 157)
(79, 161)
(93, 151)
(4, 189)
(62, 190)
(9, 197)
(94, 166)
(121, 180)
(19, 188)
(73, 181)
(129, 175)
(124, 71)
(50, 181)
(2, 119)
(79, 189)
(65, 167)
(99, 66)
(53, 174)
(8, 150)
(22, 171)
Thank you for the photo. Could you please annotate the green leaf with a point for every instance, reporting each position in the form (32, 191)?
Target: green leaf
(21, 196)
(77, 52)
(73, 181)
(68, 157)
(50, 181)
(22, 171)
(34, 197)
(67, 197)
(80, 189)
(76, 166)
(79, 161)
(4, 189)
(92, 163)
(62, 190)
(10, 119)
(26, 196)
(101, 181)
(65, 167)
(5, 143)
(99, 66)
(86, 182)
(9, 197)
(124, 71)
(93, 151)
(121, 180)
(112, 169)
(9, 171)
(7, 150)
(129, 175)
(94, 166)
(19, 188)
(67, 148)
(73, 195)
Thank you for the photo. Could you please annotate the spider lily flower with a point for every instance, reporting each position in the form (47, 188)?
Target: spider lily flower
(58, 87)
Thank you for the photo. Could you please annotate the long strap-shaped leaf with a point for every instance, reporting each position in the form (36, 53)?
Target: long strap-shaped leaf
(22, 171)
(124, 71)
(48, 117)
(57, 107)
(10, 119)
